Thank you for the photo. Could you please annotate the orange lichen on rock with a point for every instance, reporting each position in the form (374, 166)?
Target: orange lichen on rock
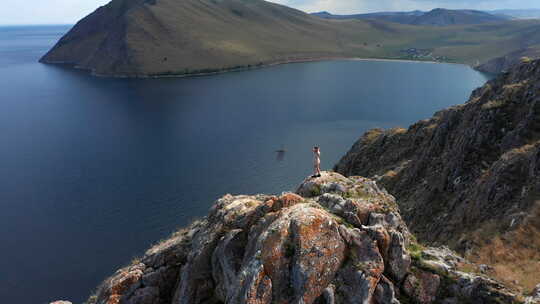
(343, 242)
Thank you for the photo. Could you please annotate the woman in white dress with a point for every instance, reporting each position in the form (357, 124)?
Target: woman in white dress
(316, 162)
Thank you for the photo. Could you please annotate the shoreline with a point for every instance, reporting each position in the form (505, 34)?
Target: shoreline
(248, 68)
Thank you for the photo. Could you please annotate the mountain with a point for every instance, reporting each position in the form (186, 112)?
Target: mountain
(337, 240)
(397, 17)
(135, 37)
(531, 13)
(469, 177)
(436, 17)
(141, 38)
(160, 37)
(445, 17)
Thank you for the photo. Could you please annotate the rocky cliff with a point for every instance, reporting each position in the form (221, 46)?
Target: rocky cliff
(336, 240)
(469, 176)
(508, 61)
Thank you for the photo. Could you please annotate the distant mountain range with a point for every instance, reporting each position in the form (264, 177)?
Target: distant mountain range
(529, 47)
(398, 17)
(436, 17)
(518, 13)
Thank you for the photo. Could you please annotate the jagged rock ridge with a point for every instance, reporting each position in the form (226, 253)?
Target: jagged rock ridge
(469, 176)
(338, 240)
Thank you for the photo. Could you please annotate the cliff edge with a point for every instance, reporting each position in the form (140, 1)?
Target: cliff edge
(336, 240)
(469, 176)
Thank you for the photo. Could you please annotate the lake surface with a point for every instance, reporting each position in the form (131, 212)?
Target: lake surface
(94, 170)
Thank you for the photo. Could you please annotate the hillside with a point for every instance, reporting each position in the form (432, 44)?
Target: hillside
(469, 177)
(436, 17)
(445, 17)
(397, 17)
(170, 37)
(336, 241)
(530, 13)
(136, 37)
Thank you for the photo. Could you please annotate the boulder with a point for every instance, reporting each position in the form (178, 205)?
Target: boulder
(385, 293)
(315, 186)
(359, 277)
(422, 286)
(398, 261)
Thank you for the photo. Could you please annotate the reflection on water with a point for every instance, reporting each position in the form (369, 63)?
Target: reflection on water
(280, 154)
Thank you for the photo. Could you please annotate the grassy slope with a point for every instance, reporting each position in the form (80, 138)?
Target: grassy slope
(444, 17)
(514, 255)
(176, 37)
(437, 17)
(247, 40)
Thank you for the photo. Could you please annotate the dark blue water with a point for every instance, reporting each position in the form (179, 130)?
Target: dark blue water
(94, 170)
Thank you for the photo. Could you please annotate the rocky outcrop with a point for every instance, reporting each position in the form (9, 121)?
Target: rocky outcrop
(508, 61)
(337, 240)
(470, 175)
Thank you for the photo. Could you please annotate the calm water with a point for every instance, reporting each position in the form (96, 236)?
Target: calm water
(94, 170)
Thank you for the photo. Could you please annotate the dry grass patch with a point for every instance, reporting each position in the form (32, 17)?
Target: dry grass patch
(390, 174)
(395, 131)
(521, 150)
(371, 135)
(493, 104)
(515, 86)
(515, 256)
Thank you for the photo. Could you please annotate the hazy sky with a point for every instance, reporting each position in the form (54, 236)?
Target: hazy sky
(69, 11)
(363, 6)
